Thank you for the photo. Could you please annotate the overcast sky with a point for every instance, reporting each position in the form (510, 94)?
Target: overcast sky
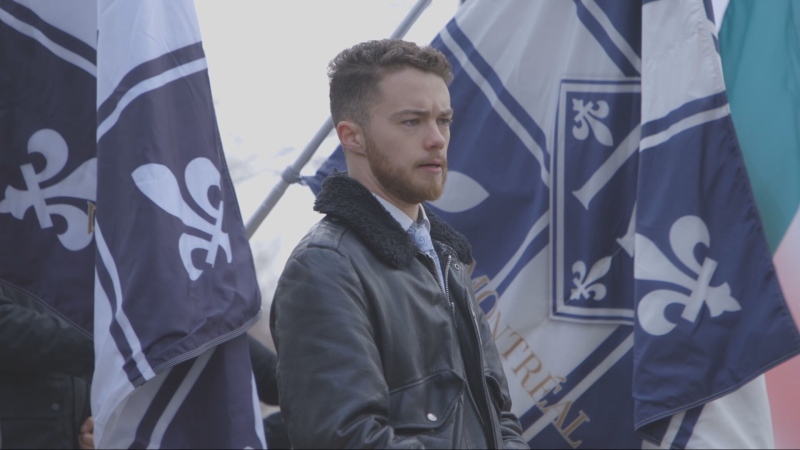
(267, 62)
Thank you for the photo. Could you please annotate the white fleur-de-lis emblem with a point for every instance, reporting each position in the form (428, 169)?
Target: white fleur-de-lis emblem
(461, 193)
(81, 184)
(159, 184)
(651, 264)
(585, 286)
(586, 118)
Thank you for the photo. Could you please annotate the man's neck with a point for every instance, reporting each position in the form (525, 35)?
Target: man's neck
(410, 210)
(402, 217)
(369, 182)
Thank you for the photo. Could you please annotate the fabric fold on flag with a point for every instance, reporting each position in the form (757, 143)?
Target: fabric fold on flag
(175, 287)
(692, 174)
(759, 46)
(633, 288)
(48, 168)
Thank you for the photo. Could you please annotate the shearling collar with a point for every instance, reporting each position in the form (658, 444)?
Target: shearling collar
(348, 200)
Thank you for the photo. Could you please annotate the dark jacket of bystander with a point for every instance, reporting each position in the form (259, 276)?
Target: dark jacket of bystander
(45, 374)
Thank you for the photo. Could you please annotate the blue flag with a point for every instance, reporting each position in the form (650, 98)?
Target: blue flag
(118, 211)
(760, 60)
(48, 168)
(620, 258)
(176, 286)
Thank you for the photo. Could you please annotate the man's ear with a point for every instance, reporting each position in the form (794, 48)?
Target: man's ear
(351, 136)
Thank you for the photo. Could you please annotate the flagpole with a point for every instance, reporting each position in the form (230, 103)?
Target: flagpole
(291, 174)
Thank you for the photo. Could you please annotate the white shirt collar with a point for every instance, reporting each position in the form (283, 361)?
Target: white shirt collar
(401, 217)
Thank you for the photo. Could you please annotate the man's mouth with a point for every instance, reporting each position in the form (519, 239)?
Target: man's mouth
(434, 166)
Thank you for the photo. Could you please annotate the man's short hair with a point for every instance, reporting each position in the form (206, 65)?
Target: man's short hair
(355, 73)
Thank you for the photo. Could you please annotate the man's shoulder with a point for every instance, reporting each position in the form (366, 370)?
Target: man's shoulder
(328, 234)
(359, 239)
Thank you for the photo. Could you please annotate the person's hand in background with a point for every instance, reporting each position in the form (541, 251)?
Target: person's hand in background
(86, 434)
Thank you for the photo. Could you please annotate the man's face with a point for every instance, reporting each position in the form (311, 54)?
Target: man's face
(407, 137)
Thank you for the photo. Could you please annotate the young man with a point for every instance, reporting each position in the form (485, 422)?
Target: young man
(380, 341)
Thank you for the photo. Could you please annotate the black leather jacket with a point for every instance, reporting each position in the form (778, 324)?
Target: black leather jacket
(370, 347)
(45, 372)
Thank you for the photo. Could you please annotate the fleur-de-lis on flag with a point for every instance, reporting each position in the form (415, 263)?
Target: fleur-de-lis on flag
(586, 118)
(585, 286)
(651, 264)
(81, 184)
(461, 193)
(159, 184)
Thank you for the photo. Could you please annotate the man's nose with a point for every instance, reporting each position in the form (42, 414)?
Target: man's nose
(436, 139)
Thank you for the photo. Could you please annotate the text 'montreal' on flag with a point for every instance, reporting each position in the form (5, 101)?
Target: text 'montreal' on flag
(632, 289)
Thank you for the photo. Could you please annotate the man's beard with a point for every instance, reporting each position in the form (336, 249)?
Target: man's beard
(399, 182)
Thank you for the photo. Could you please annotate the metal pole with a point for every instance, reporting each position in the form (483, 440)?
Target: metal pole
(292, 173)
(411, 17)
(289, 175)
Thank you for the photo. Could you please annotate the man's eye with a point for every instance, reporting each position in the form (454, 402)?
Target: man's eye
(445, 122)
(411, 122)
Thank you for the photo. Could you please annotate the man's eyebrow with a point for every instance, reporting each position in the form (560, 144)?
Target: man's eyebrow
(410, 112)
(420, 113)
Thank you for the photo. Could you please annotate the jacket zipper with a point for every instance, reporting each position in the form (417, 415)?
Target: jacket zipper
(460, 357)
(483, 379)
(455, 323)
